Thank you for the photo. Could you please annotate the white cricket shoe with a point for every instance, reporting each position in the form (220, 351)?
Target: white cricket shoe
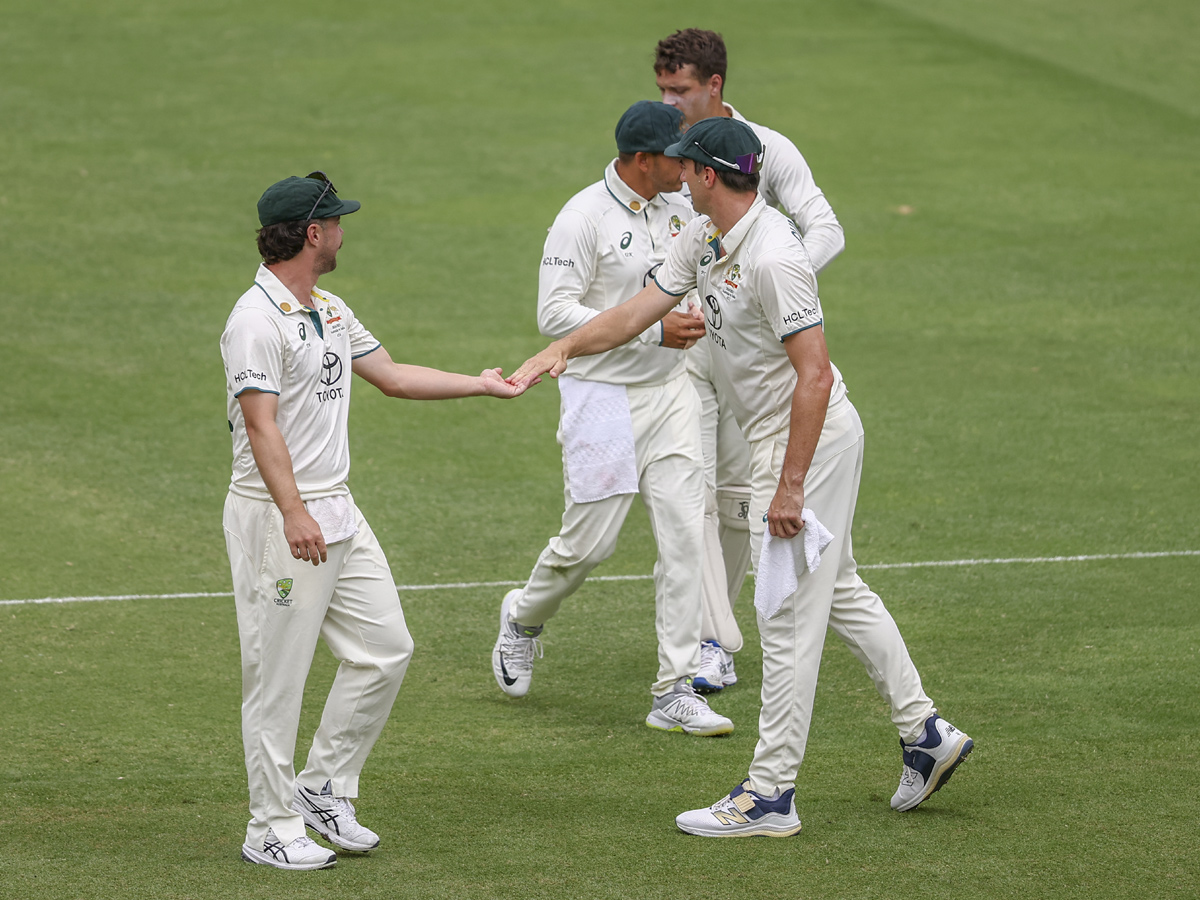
(302, 853)
(684, 710)
(512, 657)
(716, 669)
(744, 814)
(929, 762)
(333, 818)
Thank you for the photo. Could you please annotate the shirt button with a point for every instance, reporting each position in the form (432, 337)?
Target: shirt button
(635, 206)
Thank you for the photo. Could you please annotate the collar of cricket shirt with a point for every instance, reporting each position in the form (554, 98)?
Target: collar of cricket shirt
(281, 298)
(733, 239)
(623, 193)
(734, 114)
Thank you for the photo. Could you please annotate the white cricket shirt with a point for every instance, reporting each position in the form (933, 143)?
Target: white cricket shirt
(786, 182)
(757, 286)
(604, 247)
(275, 344)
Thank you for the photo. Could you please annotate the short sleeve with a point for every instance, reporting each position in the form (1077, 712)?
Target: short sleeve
(252, 349)
(362, 341)
(677, 275)
(787, 289)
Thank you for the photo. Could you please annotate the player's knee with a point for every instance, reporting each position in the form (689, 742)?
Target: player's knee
(393, 661)
(568, 555)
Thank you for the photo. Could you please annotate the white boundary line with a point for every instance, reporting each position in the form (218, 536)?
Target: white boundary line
(458, 585)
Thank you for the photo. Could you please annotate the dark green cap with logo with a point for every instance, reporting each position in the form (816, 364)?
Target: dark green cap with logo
(648, 127)
(723, 143)
(302, 199)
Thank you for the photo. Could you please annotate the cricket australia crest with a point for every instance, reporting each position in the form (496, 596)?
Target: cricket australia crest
(283, 587)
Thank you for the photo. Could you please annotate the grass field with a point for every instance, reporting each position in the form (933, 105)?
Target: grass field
(1021, 341)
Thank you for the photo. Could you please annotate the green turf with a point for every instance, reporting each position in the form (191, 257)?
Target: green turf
(1014, 314)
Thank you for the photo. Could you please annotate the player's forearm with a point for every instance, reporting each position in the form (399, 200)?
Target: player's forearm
(618, 325)
(274, 463)
(821, 231)
(824, 241)
(810, 400)
(408, 382)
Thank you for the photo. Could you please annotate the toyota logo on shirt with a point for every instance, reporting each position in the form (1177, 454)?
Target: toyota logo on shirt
(331, 368)
(713, 314)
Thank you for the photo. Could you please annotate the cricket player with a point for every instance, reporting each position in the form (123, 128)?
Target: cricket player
(305, 562)
(629, 419)
(689, 67)
(765, 328)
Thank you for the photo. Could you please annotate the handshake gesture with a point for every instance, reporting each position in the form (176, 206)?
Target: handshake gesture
(680, 330)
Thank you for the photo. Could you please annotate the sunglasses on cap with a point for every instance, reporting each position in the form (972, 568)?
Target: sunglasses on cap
(747, 163)
(321, 176)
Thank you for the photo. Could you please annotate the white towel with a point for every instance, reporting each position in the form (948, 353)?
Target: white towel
(597, 438)
(775, 578)
(336, 517)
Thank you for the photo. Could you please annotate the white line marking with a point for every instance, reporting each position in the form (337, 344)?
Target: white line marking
(1030, 559)
(457, 585)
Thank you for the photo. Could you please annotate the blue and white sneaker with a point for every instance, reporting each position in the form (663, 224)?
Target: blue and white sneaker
(716, 669)
(744, 813)
(333, 818)
(929, 762)
(513, 653)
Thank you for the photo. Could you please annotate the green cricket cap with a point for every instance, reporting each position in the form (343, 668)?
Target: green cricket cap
(648, 127)
(296, 198)
(723, 143)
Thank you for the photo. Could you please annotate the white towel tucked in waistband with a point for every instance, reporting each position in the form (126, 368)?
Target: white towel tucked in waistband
(597, 438)
(336, 517)
(775, 576)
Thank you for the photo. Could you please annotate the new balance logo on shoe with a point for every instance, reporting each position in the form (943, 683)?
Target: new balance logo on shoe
(929, 762)
(744, 813)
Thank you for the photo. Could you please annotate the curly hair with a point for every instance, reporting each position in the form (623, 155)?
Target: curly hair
(692, 46)
(282, 241)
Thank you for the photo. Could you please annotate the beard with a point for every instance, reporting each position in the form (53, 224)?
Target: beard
(326, 262)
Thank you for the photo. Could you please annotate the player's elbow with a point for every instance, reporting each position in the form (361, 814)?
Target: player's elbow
(816, 380)
(396, 389)
(555, 327)
(822, 382)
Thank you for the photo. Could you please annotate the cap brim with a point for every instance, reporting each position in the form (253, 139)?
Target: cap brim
(675, 149)
(343, 208)
(688, 149)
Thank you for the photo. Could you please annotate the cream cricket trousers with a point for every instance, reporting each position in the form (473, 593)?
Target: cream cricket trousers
(283, 606)
(726, 504)
(666, 435)
(832, 597)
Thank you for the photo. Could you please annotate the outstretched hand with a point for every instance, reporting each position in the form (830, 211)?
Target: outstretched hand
(495, 385)
(550, 361)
